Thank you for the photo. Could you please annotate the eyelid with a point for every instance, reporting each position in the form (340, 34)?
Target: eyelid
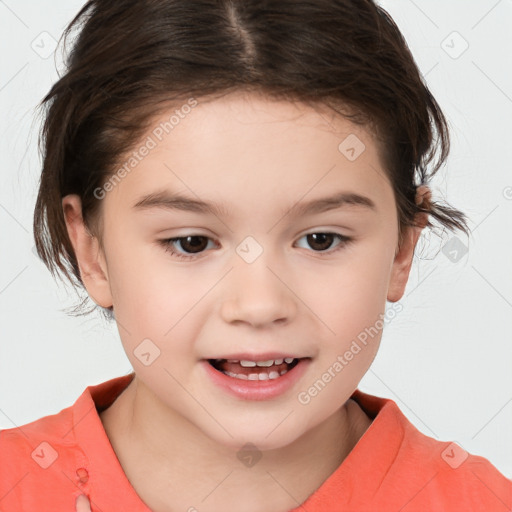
(167, 243)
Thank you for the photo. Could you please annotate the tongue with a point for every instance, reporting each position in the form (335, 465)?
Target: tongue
(238, 369)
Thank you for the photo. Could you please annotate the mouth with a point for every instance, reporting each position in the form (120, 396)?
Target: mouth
(255, 370)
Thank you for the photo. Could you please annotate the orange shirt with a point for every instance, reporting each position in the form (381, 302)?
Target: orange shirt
(46, 464)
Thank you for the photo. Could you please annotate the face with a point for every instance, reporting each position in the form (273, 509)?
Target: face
(259, 275)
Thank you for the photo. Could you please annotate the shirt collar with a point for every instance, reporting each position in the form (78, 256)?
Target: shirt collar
(368, 462)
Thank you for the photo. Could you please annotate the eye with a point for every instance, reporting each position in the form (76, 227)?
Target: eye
(323, 241)
(193, 243)
(196, 244)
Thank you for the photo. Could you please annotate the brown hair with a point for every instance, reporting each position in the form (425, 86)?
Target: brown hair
(132, 59)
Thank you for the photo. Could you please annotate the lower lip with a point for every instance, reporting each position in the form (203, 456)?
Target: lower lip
(257, 389)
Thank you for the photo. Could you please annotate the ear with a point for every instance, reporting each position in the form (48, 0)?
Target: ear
(90, 257)
(405, 252)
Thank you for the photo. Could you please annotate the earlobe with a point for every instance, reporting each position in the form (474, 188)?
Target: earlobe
(90, 258)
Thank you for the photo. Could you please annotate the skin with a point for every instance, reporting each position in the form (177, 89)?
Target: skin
(176, 434)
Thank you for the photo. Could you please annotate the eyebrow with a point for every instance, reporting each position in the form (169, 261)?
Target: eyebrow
(173, 201)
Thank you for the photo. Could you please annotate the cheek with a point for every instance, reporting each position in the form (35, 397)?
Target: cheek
(145, 285)
(353, 310)
(155, 306)
(350, 297)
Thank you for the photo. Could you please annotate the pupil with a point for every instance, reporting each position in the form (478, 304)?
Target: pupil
(186, 240)
(321, 237)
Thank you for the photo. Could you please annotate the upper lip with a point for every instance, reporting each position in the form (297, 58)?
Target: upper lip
(257, 357)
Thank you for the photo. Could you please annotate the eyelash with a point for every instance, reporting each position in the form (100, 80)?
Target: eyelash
(167, 244)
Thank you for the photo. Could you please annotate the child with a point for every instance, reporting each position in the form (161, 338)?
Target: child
(262, 130)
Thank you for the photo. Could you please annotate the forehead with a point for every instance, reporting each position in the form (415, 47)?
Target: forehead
(254, 150)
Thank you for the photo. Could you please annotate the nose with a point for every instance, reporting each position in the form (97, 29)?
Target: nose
(256, 294)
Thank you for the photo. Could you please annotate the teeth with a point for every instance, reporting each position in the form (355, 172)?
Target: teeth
(266, 364)
(239, 376)
(247, 364)
(271, 375)
(261, 364)
(257, 376)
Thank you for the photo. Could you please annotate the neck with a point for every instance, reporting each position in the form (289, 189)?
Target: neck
(173, 465)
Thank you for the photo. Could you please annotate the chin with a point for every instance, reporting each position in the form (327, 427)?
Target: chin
(262, 437)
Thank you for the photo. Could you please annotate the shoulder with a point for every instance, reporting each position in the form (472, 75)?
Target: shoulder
(37, 460)
(48, 463)
(462, 477)
(403, 468)
(442, 473)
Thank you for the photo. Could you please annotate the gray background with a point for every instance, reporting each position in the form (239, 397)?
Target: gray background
(445, 359)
